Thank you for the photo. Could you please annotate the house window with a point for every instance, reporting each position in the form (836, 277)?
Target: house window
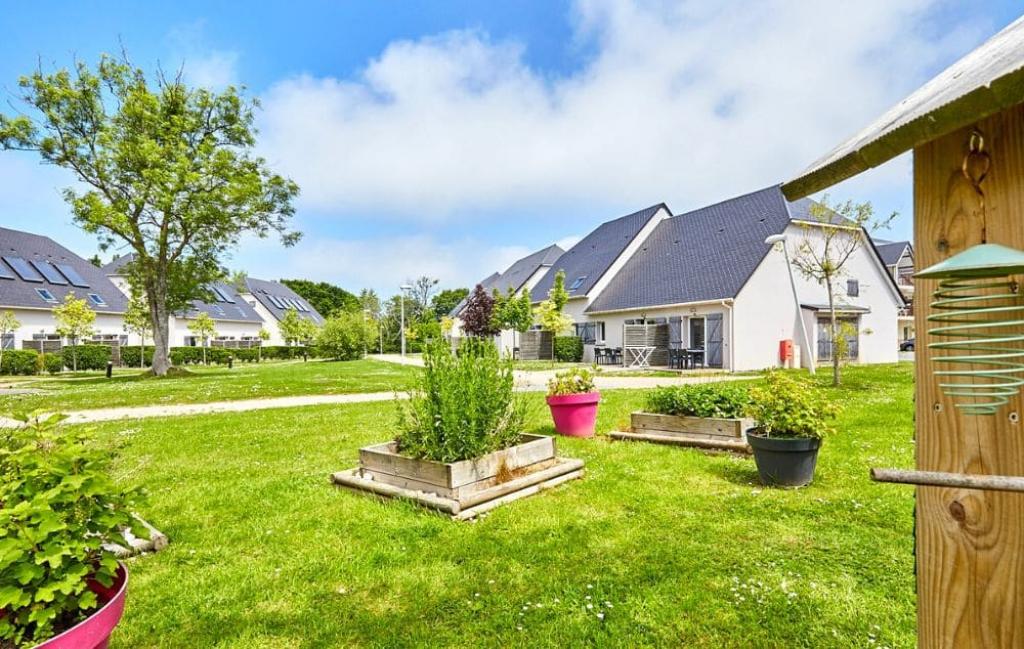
(849, 328)
(590, 332)
(577, 283)
(853, 287)
(696, 333)
(97, 300)
(46, 295)
(7, 341)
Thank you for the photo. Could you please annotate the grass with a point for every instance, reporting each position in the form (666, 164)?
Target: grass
(672, 546)
(546, 366)
(205, 384)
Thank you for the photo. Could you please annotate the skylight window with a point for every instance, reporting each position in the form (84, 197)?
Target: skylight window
(97, 300)
(578, 283)
(218, 309)
(46, 295)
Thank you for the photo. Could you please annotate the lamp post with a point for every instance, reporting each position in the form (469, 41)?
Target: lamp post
(401, 300)
(781, 238)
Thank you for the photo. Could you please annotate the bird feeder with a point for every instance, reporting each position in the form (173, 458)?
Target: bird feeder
(978, 327)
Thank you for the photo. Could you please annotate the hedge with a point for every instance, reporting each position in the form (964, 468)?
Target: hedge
(130, 355)
(568, 349)
(20, 361)
(215, 355)
(53, 363)
(90, 357)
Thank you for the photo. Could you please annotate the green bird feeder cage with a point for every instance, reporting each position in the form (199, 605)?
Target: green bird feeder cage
(978, 318)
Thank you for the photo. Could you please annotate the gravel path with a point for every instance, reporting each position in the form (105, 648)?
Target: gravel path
(525, 382)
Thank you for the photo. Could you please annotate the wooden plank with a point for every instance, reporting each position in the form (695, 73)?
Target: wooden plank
(970, 543)
(382, 458)
(534, 448)
(653, 422)
(353, 480)
(473, 512)
(455, 493)
(718, 444)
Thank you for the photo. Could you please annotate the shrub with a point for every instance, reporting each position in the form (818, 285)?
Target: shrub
(23, 362)
(53, 363)
(720, 400)
(57, 508)
(130, 356)
(345, 336)
(785, 407)
(578, 380)
(90, 357)
(568, 349)
(464, 405)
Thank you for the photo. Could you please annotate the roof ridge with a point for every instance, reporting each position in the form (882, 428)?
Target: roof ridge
(729, 200)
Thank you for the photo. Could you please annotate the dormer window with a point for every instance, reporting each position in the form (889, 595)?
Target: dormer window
(46, 295)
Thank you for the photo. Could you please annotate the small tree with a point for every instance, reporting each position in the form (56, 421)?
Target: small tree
(477, 317)
(549, 312)
(204, 328)
(74, 321)
(345, 336)
(8, 325)
(264, 337)
(137, 321)
(308, 330)
(291, 326)
(832, 234)
(422, 290)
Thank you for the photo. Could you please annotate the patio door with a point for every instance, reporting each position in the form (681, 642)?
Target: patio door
(696, 333)
(714, 340)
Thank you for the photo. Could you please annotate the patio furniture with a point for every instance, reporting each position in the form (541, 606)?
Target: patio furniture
(616, 356)
(641, 355)
(601, 355)
(696, 357)
(515, 353)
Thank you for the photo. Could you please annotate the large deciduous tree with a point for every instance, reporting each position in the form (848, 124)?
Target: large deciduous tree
(443, 303)
(326, 298)
(162, 168)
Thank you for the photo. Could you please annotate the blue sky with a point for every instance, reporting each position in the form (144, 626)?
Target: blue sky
(448, 138)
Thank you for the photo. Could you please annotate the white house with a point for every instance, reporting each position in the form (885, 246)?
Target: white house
(36, 273)
(709, 276)
(271, 301)
(898, 257)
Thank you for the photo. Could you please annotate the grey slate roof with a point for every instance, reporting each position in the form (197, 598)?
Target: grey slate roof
(707, 254)
(891, 251)
(516, 275)
(33, 247)
(592, 256)
(985, 81)
(239, 311)
(262, 290)
(117, 263)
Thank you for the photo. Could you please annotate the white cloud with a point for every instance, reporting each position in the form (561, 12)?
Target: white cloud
(684, 102)
(216, 69)
(568, 242)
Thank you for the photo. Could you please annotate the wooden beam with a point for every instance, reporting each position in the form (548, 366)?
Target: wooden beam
(943, 479)
(970, 543)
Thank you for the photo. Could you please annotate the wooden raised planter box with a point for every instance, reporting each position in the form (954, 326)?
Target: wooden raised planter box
(700, 432)
(467, 488)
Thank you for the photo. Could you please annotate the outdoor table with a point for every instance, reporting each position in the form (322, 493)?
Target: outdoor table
(641, 355)
(694, 355)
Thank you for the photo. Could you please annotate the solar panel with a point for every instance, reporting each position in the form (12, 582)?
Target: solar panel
(49, 272)
(4, 273)
(24, 271)
(217, 294)
(227, 296)
(300, 306)
(276, 302)
(69, 271)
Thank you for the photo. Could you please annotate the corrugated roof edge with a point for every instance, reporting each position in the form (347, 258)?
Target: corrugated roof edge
(999, 94)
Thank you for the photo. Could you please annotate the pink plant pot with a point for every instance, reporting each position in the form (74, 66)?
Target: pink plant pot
(94, 631)
(575, 414)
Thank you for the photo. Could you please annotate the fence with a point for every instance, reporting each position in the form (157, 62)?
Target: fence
(536, 345)
(647, 335)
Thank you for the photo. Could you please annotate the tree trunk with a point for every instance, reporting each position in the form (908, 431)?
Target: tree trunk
(74, 354)
(836, 378)
(157, 296)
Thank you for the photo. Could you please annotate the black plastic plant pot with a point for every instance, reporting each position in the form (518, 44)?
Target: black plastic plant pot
(784, 462)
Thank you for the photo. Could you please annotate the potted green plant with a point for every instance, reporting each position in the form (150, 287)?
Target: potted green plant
(59, 587)
(790, 419)
(573, 400)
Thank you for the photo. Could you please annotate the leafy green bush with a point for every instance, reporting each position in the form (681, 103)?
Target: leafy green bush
(786, 407)
(130, 356)
(568, 349)
(719, 400)
(23, 362)
(57, 507)
(345, 336)
(464, 405)
(578, 380)
(90, 357)
(53, 363)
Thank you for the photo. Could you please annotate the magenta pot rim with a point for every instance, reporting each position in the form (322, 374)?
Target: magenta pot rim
(115, 600)
(573, 399)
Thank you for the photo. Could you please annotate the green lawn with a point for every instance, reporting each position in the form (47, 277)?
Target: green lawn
(546, 366)
(673, 547)
(214, 383)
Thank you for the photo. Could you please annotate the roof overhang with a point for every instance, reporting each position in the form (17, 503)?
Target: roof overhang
(842, 308)
(984, 82)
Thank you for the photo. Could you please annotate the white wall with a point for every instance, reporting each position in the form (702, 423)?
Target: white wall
(766, 313)
(34, 321)
(179, 332)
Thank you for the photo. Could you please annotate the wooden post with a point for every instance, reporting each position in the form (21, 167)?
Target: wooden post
(970, 543)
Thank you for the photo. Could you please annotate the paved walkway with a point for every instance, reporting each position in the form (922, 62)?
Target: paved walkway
(525, 382)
